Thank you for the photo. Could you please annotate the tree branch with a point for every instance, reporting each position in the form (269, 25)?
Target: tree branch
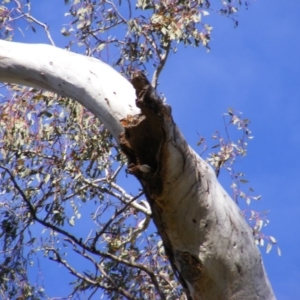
(118, 289)
(208, 242)
(74, 241)
(94, 84)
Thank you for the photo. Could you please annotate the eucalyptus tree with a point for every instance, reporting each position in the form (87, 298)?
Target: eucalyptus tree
(72, 128)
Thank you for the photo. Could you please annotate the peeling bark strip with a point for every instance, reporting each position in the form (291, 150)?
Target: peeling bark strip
(209, 244)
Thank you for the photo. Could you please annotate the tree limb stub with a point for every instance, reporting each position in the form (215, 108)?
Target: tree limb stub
(209, 243)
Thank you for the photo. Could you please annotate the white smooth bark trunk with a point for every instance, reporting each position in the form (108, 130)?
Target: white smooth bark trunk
(209, 243)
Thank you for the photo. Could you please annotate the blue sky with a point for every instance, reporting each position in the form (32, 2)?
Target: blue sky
(255, 69)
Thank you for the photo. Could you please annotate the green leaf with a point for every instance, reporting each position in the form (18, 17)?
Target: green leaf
(72, 221)
(269, 247)
(278, 251)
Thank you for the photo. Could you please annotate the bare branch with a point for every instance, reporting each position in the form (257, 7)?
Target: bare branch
(88, 279)
(124, 197)
(94, 84)
(30, 17)
(162, 61)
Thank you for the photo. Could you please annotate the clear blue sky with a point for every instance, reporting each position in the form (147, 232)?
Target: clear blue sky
(255, 69)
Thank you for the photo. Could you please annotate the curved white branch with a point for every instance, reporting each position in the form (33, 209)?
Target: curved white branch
(94, 84)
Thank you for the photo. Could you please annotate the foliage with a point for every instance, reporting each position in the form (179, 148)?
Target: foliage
(61, 172)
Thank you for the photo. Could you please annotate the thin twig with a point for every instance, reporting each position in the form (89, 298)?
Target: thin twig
(130, 264)
(88, 279)
(117, 213)
(118, 13)
(163, 59)
(124, 197)
(28, 16)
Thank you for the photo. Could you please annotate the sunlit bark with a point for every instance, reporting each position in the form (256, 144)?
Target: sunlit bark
(209, 243)
(87, 80)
